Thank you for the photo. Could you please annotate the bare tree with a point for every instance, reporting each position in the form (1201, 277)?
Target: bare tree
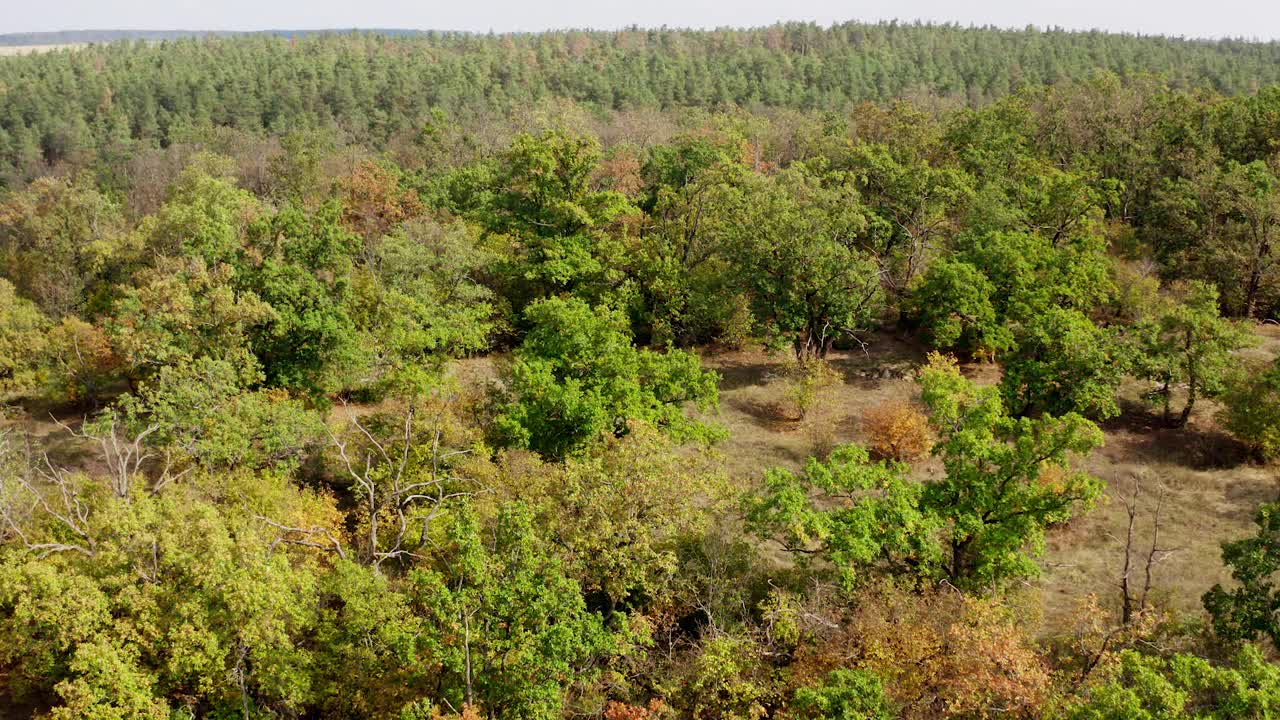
(388, 478)
(1134, 600)
(126, 456)
(30, 487)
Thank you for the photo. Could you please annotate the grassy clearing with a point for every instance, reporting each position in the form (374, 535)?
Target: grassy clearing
(11, 50)
(1211, 488)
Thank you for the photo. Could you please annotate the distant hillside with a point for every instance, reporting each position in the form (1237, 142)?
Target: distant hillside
(378, 85)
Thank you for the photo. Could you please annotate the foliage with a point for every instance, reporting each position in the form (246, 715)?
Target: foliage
(1189, 343)
(22, 343)
(1249, 610)
(863, 517)
(1007, 479)
(577, 376)
(897, 431)
(795, 241)
(1064, 363)
(620, 511)
(844, 695)
(1145, 687)
(1251, 408)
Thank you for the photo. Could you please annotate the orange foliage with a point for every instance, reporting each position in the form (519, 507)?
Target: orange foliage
(941, 654)
(621, 711)
(897, 431)
(374, 202)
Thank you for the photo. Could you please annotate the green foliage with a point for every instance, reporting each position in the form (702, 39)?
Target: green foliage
(863, 517)
(620, 511)
(954, 303)
(1007, 479)
(1064, 363)
(203, 411)
(1142, 687)
(577, 376)
(541, 197)
(514, 632)
(22, 344)
(795, 240)
(844, 695)
(57, 238)
(1189, 343)
(1251, 408)
(1248, 610)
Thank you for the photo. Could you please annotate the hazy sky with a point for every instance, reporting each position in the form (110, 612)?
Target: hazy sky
(1199, 18)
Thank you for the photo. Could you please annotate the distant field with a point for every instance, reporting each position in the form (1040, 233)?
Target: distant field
(7, 50)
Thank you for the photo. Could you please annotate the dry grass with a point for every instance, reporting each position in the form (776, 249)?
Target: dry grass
(1211, 489)
(11, 50)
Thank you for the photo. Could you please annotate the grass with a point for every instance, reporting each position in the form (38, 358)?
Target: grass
(10, 50)
(1211, 490)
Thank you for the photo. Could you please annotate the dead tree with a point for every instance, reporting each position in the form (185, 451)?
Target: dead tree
(390, 480)
(1133, 600)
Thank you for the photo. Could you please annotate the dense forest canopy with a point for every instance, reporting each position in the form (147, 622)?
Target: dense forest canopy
(375, 86)
(642, 375)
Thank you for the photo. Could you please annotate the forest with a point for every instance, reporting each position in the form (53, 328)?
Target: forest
(863, 372)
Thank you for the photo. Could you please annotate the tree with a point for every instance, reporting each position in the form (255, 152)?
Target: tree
(619, 512)
(1251, 408)
(541, 197)
(1007, 479)
(1144, 687)
(954, 304)
(22, 344)
(795, 240)
(182, 310)
(1063, 363)
(1189, 343)
(577, 376)
(862, 517)
(513, 630)
(57, 238)
(1250, 609)
(844, 695)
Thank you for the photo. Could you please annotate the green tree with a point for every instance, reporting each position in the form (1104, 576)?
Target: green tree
(1251, 408)
(1143, 687)
(795, 239)
(1249, 610)
(1007, 479)
(514, 631)
(577, 376)
(844, 695)
(1063, 363)
(22, 344)
(862, 517)
(1190, 344)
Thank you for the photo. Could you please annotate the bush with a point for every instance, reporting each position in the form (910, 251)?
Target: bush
(1251, 410)
(806, 379)
(897, 431)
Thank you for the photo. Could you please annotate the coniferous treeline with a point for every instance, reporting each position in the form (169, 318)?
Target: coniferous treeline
(374, 86)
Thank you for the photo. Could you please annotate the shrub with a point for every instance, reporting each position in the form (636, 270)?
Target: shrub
(806, 379)
(897, 431)
(1251, 410)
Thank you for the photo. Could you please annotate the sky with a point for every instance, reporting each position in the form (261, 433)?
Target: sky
(1258, 19)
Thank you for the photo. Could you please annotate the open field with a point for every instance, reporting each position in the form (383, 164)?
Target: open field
(8, 50)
